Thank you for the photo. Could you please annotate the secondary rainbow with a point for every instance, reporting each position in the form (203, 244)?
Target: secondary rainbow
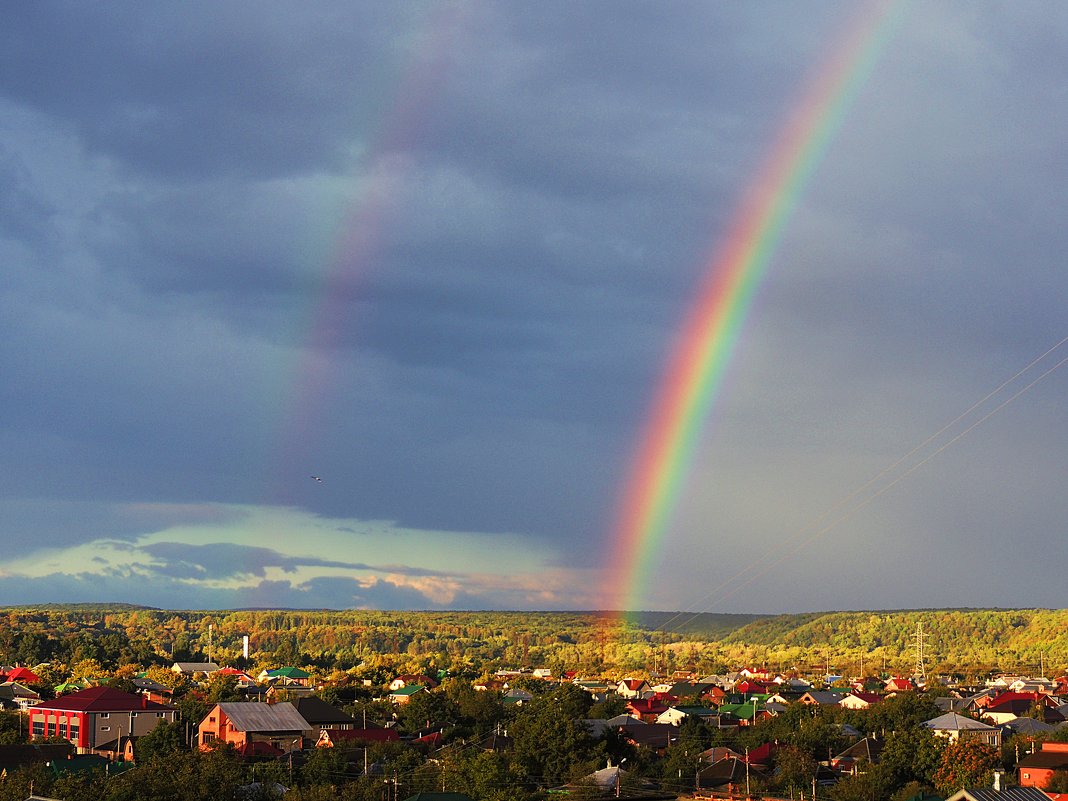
(706, 340)
(349, 240)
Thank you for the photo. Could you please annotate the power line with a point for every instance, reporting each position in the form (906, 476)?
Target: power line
(774, 557)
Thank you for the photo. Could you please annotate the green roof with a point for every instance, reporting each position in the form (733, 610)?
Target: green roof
(411, 689)
(290, 673)
(740, 711)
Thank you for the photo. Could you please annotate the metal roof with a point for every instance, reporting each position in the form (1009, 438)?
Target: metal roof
(251, 716)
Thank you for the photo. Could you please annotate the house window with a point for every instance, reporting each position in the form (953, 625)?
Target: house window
(105, 714)
(72, 731)
(159, 714)
(211, 719)
(208, 737)
(1027, 775)
(38, 728)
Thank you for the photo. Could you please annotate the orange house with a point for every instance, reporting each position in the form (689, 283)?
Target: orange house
(241, 723)
(1037, 769)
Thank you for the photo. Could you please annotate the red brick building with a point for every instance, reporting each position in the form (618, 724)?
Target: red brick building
(95, 719)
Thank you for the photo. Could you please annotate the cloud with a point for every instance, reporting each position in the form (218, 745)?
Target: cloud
(440, 255)
(225, 560)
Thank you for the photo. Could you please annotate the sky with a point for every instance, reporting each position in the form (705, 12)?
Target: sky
(366, 305)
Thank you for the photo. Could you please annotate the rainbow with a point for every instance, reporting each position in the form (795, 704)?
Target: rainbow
(353, 238)
(706, 340)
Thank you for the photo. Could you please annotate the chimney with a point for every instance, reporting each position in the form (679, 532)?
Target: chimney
(144, 701)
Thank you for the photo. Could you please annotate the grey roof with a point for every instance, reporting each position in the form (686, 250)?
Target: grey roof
(251, 716)
(1028, 726)
(11, 690)
(825, 697)
(1004, 794)
(951, 721)
(317, 711)
(195, 667)
(948, 704)
(152, 686)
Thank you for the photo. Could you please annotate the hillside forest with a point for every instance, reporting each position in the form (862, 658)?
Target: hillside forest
(956, 642)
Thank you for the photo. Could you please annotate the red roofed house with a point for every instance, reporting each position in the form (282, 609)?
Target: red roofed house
(646, 709)
(750, 686)
(22, 675)
(897, 684)
(762, 754)
(242, 678)
(633, 688)
(95, 719)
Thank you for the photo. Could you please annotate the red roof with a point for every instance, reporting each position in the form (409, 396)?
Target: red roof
(103, 699)
(871, 698)
(647, 706)
(762, 754)
(1013, 696)
(24, 675)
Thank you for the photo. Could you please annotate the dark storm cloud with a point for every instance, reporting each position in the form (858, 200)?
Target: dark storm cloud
(437, 254)
(207, 89)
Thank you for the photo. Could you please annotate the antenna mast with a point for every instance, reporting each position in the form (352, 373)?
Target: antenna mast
(921, 670)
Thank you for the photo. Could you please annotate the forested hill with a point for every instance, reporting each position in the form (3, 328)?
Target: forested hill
(968, 641)
(705, 625)
(1006, 638)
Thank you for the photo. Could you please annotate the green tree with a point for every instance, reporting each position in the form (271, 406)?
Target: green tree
(1058, 782)
(550, 744)
(325, 766)
(912, 755)
(795, 768)
(12, 728)
(858, 787)
(223, 688)
(161, 743)
(428, 708)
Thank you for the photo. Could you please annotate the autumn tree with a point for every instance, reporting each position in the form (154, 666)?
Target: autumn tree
(967, 763)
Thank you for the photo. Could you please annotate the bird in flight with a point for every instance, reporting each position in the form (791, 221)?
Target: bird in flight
(316, 478)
